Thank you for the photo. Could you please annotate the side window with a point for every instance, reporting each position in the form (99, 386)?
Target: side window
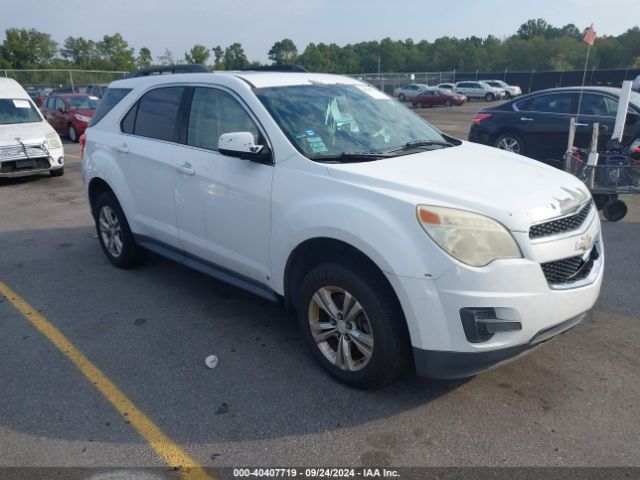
(110, 99)
(51, 102)
(129, 121)
(214, 112)
(594, 104)
(59, 104)
(561, 103)
(157, 115)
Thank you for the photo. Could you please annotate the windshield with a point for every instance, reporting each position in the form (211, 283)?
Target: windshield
(82, 103)
(17, 110)
(325, 121)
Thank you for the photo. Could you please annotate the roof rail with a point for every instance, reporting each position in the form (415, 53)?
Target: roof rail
(276, 68)
(190, 68)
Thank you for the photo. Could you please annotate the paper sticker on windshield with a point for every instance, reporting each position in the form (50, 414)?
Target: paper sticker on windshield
(317, 145)
(21, 104)
(372, 92)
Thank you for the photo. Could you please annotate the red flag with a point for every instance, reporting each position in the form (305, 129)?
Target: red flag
(589, 36)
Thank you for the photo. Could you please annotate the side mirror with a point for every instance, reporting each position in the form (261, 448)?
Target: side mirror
(241, 145)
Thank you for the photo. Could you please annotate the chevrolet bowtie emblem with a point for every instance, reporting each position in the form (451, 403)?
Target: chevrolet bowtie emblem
(584, 243)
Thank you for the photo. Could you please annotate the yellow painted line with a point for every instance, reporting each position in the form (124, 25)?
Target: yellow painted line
(167, 449)
(73, 156)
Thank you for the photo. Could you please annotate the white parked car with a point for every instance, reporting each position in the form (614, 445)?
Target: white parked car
(479, 90)
(512, 91)
(393, 242)
(636, 84)
(446, 86)
(407, 92)
(28, 144)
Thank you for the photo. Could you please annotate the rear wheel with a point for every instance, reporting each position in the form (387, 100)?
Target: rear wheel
(401, 97)
(114, 234)
(510, 142)
(353, 325)
(419, 105)
(489, 97)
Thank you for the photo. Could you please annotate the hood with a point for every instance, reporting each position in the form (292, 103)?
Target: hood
(512, 189)
(34, 132)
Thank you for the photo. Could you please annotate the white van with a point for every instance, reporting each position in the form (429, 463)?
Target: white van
(28, 144)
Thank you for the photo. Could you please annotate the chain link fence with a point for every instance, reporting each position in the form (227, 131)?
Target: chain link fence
(528, 81)
(58, 78)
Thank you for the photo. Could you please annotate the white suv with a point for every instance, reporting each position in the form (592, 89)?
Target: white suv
(393, 241)
(480, 90)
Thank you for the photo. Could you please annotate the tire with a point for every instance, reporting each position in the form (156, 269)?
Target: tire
(510, 142)
(508, 96)
(382, 349)
(489, 97)
(614, 210)
(73, 134)
(447, 103)
(419, 105)
(600, 199)
(401, 97)
(57, 173)
(111, 223)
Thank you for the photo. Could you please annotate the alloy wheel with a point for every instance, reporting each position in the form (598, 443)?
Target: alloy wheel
(341, 329)
(110, 231)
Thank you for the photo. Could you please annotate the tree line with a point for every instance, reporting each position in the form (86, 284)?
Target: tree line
(536, 45)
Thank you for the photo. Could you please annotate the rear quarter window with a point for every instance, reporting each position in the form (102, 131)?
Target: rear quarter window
(109, 100)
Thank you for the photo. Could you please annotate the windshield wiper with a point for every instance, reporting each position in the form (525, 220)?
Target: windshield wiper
(422, 143)
(347, 157)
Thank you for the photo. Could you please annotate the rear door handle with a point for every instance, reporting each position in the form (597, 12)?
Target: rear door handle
(185, 168)
(527, 119)
(583, 124)
(122, 148)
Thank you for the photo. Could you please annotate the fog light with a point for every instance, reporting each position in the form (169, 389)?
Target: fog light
(60, 160)
(479, 324)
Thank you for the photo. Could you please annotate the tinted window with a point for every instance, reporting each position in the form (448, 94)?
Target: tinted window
(214, 112)
(59, 104)
(559, 103)
(595, 104)
(129, 120)
(158, 113)
(108, 101)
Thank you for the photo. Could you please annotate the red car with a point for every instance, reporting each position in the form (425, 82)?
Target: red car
(436, 96)
(69, 114)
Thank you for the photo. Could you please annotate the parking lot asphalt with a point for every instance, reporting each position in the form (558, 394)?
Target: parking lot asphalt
(572, 403)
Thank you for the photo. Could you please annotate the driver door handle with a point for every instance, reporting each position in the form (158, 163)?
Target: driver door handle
(526, 119)
(185, 168)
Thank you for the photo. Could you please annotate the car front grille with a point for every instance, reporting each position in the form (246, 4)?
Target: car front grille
(22, 152)
(561, 225)
(569, 270)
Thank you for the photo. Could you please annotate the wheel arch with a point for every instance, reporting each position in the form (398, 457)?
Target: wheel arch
(97, 186)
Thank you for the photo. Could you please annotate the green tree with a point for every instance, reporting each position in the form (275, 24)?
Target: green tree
(27, 47)
(283, 52)
(234, 57)
(144, 58)
(79, 51)
(198, 54)
(115, 53)
(218, 57)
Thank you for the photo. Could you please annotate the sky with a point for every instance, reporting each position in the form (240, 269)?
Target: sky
(258, 24)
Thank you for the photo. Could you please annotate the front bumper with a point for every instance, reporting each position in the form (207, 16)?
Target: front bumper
(29, 159)
(516, 291)
(451, 365)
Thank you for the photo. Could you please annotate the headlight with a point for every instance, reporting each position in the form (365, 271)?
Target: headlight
(82, 118)
(469, 237)
(53, 141)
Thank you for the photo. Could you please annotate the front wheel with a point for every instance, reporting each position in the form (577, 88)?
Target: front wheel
(490, 97)
(447, 103)
(401, 97)
(114, 234)
(510, 142)
(73, 134)
(353, 325)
